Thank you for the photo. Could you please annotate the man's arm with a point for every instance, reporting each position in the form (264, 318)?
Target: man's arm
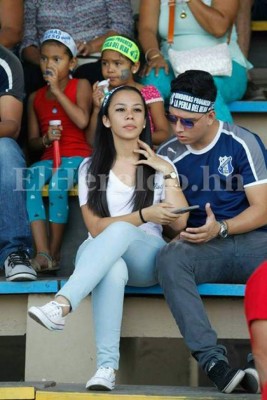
(248, 220)
(11, 22)
(11, 112)
(255, 215)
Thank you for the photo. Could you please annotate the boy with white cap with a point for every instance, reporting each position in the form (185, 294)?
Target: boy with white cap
(68, 101)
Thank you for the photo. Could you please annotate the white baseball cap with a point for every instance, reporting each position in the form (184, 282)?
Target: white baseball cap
(62, 37)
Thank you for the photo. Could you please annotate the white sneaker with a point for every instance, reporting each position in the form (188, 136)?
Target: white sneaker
(49, 315)
(104, 379)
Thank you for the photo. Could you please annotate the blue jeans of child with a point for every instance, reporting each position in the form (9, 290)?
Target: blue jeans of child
(121, 253)
(15, 231)
(182, 265)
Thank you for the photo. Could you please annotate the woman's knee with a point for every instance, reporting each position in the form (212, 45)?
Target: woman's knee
(118, 273)
(120, 228)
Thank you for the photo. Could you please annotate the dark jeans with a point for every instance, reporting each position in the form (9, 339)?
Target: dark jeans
(182, 265)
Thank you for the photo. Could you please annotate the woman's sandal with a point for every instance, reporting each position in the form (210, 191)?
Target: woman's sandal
(52, 265)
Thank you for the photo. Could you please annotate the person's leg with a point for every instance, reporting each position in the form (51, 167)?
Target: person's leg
(15, 231)
(137, 266)
(101, 270)
(181, 266)
(37, 176)
(107, 298)
(39, 232)
(60, 184)
(96, 257)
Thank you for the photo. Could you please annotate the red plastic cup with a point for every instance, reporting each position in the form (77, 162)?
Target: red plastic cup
(56, 149)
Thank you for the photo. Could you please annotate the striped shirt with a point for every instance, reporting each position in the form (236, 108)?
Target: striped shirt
(83, 20)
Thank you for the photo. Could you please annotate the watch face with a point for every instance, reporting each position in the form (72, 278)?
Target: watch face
(223, 230)
(173, 175)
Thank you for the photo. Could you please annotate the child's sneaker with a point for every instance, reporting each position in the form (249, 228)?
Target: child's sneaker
(104, 379)
(49, 315)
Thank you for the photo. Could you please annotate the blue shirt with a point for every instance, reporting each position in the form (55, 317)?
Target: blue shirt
(218, 174)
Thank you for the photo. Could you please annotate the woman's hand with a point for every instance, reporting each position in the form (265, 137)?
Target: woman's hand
(84, 48)
(156, 63)
(160, 213)
(152, 159)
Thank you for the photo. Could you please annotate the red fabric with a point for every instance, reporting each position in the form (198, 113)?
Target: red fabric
(256, 294)
(264, 392)
(72, 142)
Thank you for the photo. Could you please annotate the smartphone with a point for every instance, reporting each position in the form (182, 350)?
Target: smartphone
(184, 209)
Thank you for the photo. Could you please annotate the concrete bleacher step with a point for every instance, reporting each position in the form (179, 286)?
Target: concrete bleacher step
(60, 391)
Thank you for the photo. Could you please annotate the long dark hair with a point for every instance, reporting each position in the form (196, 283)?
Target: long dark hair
(104, 156)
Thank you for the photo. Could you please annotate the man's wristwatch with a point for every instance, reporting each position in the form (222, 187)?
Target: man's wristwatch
(171, 175)
(223, 233)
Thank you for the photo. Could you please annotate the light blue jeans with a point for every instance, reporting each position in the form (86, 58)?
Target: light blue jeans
(15, 233)
(121, 254)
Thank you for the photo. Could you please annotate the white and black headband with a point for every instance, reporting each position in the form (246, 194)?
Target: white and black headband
(187, 102)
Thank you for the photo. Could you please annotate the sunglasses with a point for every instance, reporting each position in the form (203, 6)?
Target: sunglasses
(187, 123)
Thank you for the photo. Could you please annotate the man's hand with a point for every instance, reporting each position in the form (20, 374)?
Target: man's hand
(205, 232)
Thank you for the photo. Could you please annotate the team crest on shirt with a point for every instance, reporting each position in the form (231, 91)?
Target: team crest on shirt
(225, 167)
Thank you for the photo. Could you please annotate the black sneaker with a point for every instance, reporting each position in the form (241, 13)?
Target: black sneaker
(225, 378)
(18, 267)
(251, 381)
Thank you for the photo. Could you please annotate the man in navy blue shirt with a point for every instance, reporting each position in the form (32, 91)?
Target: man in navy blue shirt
(222, 168)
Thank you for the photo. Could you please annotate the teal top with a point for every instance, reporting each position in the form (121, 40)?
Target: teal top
(189, 34)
